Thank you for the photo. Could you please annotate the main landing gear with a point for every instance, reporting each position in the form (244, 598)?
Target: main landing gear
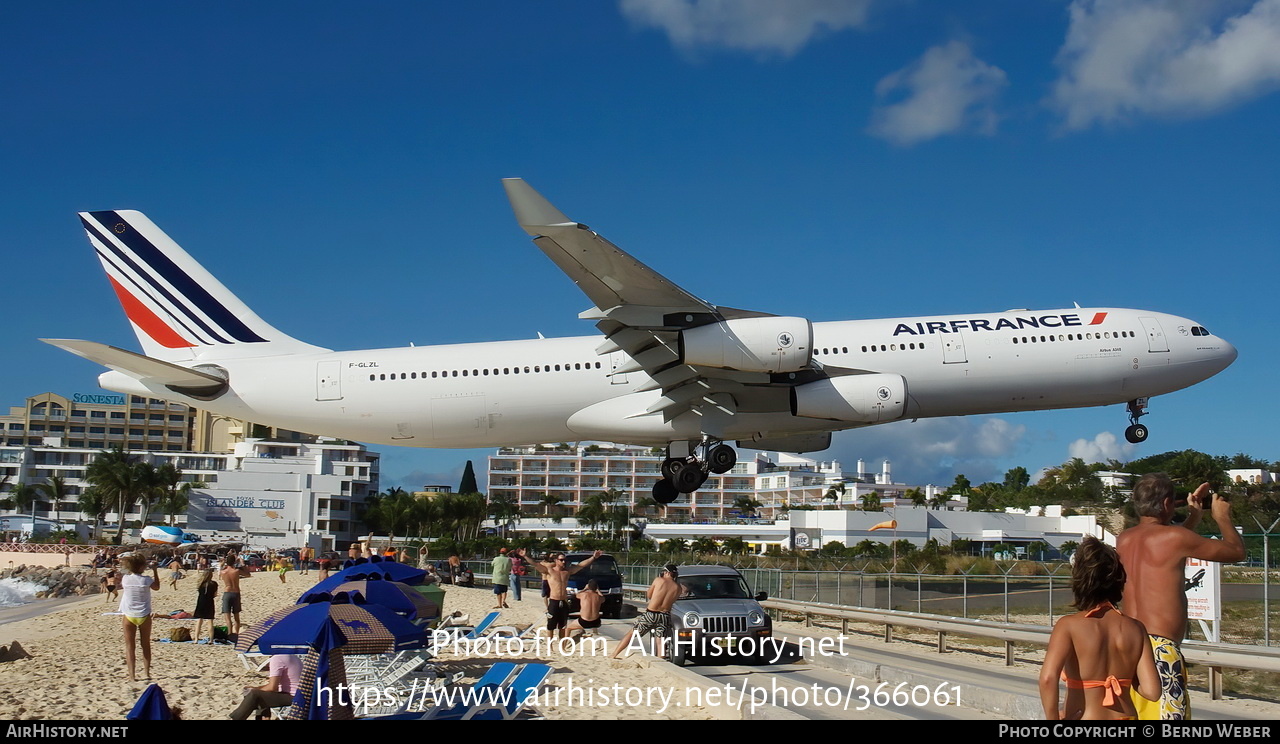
(687, 474)
(1136, 433)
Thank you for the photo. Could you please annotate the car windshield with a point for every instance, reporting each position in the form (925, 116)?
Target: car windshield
(602, 567)
(713, 587)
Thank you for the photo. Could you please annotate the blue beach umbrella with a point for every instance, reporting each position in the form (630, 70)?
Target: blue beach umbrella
(321, 692)
(384, 571)
(151, 706)
(365, 628)
(400, 598)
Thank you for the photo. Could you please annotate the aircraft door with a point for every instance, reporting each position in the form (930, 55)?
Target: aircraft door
(1156, 342)
(953, 348)
(617, 359)
(329, 380)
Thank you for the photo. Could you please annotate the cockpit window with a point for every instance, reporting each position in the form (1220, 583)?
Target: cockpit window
(1199, 331)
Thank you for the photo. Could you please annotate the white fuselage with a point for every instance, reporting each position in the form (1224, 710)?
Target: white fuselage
(525, 392)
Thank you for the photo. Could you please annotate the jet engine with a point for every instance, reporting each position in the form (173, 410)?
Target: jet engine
(862, 399)
(770, 344)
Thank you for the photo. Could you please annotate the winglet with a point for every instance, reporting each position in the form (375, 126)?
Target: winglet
(532, 209)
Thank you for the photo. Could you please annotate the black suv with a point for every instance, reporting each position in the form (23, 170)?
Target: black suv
(605, 571)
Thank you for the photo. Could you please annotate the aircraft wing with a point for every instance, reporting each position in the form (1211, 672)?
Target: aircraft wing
(138, 366)
(618, 283)
(642, 313)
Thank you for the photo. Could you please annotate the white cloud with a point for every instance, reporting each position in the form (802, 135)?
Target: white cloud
(1101, 448)
(1124, 58)
(946, 90)
(931, 450)
(751, 25)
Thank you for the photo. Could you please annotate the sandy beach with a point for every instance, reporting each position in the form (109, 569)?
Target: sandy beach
(77, 667)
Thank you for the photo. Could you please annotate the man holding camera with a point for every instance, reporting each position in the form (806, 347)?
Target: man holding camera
(1154, 554)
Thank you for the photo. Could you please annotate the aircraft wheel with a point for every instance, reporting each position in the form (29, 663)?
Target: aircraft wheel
(673, 465)
(689, 479)
(1136, 434)
(721, 459)
(664, 492)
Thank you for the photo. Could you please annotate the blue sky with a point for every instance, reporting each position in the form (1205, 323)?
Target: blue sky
(339, 168)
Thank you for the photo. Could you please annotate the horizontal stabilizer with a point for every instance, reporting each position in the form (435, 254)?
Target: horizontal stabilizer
(138, 366)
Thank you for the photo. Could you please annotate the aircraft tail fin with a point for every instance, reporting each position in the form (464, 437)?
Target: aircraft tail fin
(178, 310)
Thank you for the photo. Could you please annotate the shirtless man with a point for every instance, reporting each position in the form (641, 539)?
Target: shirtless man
(656, 618)
(1154, 554)
(230, 576)
(589, 601)
(557, 577)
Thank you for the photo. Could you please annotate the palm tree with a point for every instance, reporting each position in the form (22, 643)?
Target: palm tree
(173, 496)
(734, 546)
(871, 502)
(704, 545)
(674, 545)
(593, 510)
(54, 489)
(834, 493)
(746, 505)
(22, 499)
(648, 505)
(95, 504)
(917, 497)
(939, 500)
(121, 479)
(549, 502)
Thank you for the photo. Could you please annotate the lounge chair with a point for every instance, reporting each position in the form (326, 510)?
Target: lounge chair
(524, 688)
(493, 679)
(453, 632)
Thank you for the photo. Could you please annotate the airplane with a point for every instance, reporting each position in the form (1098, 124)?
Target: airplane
(671, 370)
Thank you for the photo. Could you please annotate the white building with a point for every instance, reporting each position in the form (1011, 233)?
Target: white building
(573, 474)
(1252, 476)
(272, 494)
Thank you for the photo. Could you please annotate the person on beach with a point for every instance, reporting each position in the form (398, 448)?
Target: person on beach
(283, 567)
(284, 671)
(230, 576)
(519, 568)
(111, 584)
(135, 605)
(1100, 654)
(206, 592)
(304, 560)
(557, 576)
(175, 572)
(589, 601)
(1154, 554)
(501, 575)
(656, 618)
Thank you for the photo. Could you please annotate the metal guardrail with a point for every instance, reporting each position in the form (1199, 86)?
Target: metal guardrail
(1215, 656)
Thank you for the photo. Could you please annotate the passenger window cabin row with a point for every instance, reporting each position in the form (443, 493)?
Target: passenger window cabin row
(493, 372)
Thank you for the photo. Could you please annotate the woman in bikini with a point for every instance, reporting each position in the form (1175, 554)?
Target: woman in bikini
(1098, 652)
(135, 605)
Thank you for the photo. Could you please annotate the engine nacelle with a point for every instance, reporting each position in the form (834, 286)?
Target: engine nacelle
(861, 399)
(750, 344)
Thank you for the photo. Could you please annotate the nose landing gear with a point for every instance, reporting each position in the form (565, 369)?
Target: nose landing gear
(1136, 433)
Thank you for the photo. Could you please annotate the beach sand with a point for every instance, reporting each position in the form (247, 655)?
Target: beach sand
(77, 667)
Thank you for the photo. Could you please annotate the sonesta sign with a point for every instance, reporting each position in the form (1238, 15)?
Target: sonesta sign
(987, 324)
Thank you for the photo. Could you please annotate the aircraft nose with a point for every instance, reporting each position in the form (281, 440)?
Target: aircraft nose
(1228, 354)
